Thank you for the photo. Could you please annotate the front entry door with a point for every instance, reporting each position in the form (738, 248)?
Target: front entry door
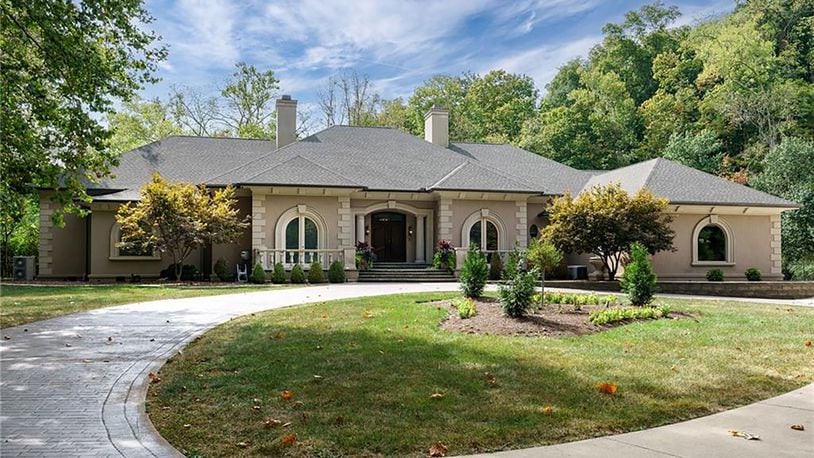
(388, 236)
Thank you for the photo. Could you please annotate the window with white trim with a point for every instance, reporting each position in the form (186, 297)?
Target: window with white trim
(484, 233)
(301, 233)
(712, 244)
(129, 251)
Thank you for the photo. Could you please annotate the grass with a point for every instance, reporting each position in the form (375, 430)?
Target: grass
(25, 304)
(363, 371)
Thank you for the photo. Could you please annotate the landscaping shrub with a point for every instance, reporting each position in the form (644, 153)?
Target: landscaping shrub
(297, 275)
(616, 314)
(336, 272)
(715, 275)
(258, 274)
(545, 257)
(802, 269)
(222, 270)
(517, 293)
(496, 267)
(315, 274)
(753, 274)
(639, 281)
(577, 300)
(474, 272)
(278, 274)
(512, 262)
(465, 306)
(188, 273)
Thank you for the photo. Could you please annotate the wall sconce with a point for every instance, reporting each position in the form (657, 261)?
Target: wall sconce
(410, 231)
(367, 230)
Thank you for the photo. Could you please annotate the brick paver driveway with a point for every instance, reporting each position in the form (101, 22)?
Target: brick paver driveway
(75, 385)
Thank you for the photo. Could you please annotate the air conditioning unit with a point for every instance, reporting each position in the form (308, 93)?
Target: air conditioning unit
(24, 267)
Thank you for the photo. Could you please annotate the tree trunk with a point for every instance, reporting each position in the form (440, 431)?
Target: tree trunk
(177, 267)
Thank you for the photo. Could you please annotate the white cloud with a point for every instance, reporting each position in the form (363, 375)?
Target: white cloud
(204, 31)
(543, 62)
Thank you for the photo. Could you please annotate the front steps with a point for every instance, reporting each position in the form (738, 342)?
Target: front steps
(404, 272)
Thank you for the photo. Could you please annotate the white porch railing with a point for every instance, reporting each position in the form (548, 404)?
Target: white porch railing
(304, 257)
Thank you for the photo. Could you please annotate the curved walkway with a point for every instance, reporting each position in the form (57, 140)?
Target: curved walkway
(75, 385)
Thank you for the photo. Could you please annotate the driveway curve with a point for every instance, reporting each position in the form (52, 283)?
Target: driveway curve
(75, 385)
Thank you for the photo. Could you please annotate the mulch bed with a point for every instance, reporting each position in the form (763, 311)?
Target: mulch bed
(551, 321)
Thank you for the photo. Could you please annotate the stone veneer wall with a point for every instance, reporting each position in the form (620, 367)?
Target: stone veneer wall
(345, 235)
(751, 289)
(776, 244)
(46, 249)
(258, 220)
(445, 219)
(521, 228)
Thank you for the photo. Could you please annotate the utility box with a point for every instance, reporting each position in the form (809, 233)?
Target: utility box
(577, 272)
(24, 267)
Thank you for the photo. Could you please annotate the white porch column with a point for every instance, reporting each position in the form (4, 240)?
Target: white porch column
(360, 228)
(419, 238)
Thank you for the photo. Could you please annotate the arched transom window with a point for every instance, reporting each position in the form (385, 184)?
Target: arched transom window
(300, 229)
(483, 229)
(301, 233)
(712, 242)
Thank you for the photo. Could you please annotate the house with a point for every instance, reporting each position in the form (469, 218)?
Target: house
(314, 198)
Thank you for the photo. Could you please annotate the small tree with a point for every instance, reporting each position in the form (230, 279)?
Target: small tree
(545, 256)
(177, 218)
(278, 274)
(496, 267)
(517, 293)
(606, 220)
(315, 274)
(297, 274)
(474, 272)
(639, 281)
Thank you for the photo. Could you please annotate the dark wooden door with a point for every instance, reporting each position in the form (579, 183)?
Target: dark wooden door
(389, 236)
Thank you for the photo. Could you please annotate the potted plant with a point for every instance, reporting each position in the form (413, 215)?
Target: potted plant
(445, 256)
(364, 256)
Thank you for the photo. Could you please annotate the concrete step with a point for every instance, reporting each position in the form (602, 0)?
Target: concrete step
(400, 265)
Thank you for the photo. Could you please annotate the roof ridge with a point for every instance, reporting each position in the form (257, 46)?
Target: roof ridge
(306, 160)
(466, 162)
(215, 137)
(450, 174)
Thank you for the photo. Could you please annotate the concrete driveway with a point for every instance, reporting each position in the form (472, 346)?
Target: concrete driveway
(75, 385)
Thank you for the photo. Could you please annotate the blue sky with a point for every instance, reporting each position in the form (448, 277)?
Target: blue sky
(398, 44)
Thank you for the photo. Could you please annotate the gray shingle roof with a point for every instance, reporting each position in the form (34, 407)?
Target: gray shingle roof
(387, 159)
(685, 185)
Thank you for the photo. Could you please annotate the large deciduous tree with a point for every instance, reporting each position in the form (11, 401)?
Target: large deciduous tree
(64, 63)
(606, 220)
(140, 122)
(177, 218)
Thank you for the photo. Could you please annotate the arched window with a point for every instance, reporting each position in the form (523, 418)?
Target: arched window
(712, 242)
(300, 228)
(129, 252)
(307, 238)
(484, 229)
(486, 239)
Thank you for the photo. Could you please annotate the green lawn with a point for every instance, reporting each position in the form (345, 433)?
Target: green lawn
(24, 304)
(379, 360)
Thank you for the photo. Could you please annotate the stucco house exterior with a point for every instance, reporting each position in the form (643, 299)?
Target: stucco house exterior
(314, 198)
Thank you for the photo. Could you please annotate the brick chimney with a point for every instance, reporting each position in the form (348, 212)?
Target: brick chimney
(286, 121)
(436, 126)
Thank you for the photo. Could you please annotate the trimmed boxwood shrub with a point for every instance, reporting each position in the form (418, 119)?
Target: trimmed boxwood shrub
(753, 274)
(278, 274)
(336, 273)
(315, 274)
(258, 274)
(297, 274)
(715, 275)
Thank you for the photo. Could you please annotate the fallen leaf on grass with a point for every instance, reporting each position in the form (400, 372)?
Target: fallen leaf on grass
(745, 435)
(187, 425)
(548, 410)
(289, 439)
(242, 444)
(607, 388)
(154, 378)
(256, 408)
(798, 427)
(317, 377)
(438, 449)
(367, 314)
(437, 396)
(491, 379)
(278, 336)
(297, 404)
(272, 423)
(287, 395)
(808, 343)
